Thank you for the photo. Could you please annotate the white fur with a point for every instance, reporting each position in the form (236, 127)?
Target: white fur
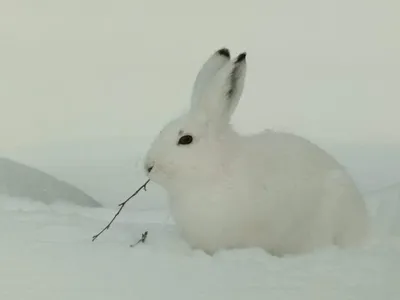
(271, 190)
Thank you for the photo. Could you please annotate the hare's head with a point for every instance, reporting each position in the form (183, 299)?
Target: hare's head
(189, 147)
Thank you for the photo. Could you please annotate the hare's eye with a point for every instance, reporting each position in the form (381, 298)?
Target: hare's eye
(185, 140)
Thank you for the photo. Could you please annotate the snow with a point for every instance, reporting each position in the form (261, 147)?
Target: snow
(23, 181)
(46, 253)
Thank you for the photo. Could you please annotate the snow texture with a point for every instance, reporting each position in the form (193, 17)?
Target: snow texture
(47, 253)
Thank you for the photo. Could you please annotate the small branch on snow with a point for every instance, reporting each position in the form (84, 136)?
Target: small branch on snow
(142, 240)
(121, 205)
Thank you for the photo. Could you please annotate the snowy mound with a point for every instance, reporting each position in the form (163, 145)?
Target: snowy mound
(18, 180)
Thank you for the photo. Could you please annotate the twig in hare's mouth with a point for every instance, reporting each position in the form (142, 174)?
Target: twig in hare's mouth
(121, 206)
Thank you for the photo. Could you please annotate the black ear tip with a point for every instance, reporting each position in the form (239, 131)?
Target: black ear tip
(224, 52)
(241, 57)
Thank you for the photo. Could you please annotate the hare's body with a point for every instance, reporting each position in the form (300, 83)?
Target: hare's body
(297, 199)
(271, 190)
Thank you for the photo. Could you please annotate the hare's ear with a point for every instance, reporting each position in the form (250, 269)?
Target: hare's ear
(203, 79)
(221, 96)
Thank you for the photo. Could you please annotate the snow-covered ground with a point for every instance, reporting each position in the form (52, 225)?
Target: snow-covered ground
(46, 252)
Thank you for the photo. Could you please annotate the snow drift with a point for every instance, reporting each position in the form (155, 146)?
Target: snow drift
(18, 180)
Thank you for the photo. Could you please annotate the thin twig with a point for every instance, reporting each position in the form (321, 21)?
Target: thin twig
(121, 205)
(142, 240)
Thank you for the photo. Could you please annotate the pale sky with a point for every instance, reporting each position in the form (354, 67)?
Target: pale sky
(91, 69)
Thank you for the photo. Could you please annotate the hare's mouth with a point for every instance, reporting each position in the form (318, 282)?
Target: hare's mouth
(152, 171)
(149, 168)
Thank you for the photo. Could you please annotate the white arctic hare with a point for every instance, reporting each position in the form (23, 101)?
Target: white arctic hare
(271, 190)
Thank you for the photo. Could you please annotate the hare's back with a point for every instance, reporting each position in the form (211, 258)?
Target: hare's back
(289, 162)
(291, 152)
